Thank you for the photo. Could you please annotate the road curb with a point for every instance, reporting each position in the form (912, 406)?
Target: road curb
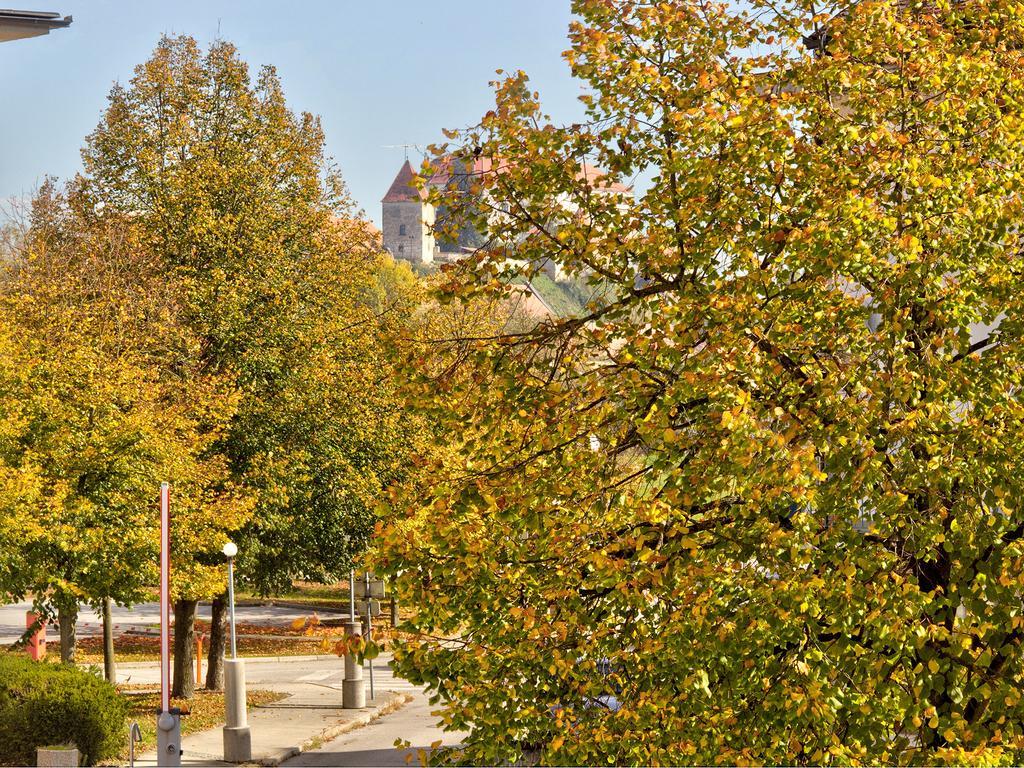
(398, 701)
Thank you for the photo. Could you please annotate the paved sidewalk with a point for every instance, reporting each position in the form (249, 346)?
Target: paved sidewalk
(309, 716)
(374, 745)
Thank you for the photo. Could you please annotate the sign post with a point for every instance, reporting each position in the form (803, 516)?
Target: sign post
(168, 721)
(369, 627)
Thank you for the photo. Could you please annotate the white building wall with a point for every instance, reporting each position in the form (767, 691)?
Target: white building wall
(408, 231)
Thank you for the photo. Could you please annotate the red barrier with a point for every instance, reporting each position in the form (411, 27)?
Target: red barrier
(36, 645)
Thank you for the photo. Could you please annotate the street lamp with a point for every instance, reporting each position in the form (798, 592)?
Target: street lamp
(230, 550)
(237, 740)
(353, 693)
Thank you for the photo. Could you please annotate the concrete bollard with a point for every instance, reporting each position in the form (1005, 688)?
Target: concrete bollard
(353, 691)
(57, 756)
(237, 738)
(168, 738)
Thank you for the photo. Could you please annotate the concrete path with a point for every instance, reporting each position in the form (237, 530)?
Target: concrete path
(374, 744)
(282, 729)
(310, 715)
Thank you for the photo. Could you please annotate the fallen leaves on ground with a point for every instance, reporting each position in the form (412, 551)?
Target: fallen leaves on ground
(205, 711)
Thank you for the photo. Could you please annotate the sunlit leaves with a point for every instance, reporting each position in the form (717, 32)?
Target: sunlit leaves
(284, 285)
(768, 479)
(102, 409)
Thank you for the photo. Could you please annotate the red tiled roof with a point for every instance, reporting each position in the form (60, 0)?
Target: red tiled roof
(593, 176)
(528, 299)
(402, 188)
(595, 179)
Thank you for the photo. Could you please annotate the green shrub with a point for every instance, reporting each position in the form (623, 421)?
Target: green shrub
(43, 704)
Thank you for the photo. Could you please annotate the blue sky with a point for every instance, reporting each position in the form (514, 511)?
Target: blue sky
(378, 72)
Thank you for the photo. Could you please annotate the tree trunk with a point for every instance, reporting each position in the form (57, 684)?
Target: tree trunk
(184, 649)
(109, 670)
(67, 619)
(218, 635)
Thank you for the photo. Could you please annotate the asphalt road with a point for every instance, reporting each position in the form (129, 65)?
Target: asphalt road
(12, 618)
(262, 672)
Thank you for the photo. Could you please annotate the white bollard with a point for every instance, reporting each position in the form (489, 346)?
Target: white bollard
(237, 739)
(353, 692)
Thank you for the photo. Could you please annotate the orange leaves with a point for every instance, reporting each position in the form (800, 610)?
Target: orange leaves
(350, 644)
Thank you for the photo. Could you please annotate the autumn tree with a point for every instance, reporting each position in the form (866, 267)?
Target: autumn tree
(22, 488)
(279, 278)
(105, 405)
(767, 496)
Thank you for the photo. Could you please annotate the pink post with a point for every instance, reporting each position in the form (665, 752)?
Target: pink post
(168, 723)
(36, 646)
(165, 597)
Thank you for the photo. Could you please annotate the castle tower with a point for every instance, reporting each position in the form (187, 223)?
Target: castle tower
(408, 220)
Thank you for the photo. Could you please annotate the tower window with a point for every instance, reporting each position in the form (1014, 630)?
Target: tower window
(401, 229)
(401, 248)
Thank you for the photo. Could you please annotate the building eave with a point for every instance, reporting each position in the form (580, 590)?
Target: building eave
(18, 25)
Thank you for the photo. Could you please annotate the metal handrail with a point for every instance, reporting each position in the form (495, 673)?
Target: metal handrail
(134, 736)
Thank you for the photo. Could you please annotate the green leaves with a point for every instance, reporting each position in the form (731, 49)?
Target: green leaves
(99, 414)
(285, 290)
(797, 533)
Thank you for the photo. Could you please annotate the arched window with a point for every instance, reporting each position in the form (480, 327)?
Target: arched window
(401, 230)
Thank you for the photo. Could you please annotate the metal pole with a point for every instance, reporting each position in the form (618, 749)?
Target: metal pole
(353, 693)
(231, 604)
(394, 604)
(237, 736)
(165, 597)
(352, 594)
(168, 722)
(369, 627)
(369, 635)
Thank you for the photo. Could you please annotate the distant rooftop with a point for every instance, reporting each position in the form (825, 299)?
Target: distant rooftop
(403, 188)
(448, 168)
(15, 25)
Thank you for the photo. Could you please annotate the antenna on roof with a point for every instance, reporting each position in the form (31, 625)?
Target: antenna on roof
(404, 148)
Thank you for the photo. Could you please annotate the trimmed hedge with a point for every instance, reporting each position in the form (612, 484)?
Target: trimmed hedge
(44, 704)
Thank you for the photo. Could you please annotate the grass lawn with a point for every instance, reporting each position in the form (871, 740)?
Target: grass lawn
(334, 596)
(309, 593)
(206, 711)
